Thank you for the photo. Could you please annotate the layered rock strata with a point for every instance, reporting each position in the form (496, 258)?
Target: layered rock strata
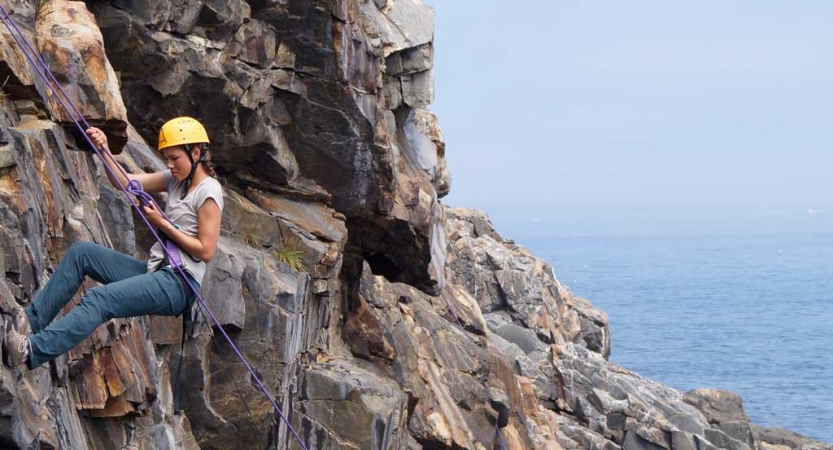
(377, 317)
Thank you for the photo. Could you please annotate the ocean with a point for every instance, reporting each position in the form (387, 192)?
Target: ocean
(736, 298)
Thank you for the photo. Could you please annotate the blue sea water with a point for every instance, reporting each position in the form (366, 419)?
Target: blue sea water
(732, 298)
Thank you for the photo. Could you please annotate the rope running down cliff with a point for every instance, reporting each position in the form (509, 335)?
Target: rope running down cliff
(134, 187)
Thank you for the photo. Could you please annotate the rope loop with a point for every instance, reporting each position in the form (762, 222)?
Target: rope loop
(135, 187)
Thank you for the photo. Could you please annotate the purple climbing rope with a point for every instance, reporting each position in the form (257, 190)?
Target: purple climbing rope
(134, 187)
(500, 436)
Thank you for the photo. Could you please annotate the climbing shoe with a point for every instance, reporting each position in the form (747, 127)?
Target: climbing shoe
(16, 347)
(20, 321)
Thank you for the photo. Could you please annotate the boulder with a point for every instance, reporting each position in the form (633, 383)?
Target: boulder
(718, 406)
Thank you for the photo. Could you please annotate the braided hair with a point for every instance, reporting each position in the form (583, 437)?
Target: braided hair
(204, 159)
(207, 164)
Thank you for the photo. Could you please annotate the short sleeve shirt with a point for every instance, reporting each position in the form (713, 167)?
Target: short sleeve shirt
(183, 212)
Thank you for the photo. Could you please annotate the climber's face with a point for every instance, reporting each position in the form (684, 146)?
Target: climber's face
(176, 160)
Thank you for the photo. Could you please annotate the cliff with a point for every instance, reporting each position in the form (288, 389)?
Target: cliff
(405, 325)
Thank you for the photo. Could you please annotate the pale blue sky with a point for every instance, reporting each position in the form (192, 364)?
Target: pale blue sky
(708, 102)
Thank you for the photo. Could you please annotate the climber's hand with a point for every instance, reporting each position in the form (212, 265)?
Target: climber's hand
(154, 216)
(98, 137)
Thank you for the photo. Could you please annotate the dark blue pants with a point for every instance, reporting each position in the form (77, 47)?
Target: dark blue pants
(128, 290)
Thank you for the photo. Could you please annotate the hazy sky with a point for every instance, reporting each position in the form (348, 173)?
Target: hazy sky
(707, 102)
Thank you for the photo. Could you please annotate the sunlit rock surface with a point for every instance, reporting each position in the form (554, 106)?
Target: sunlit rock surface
(376, 317)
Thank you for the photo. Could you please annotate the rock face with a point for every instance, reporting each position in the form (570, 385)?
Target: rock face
(293, 94)
(375, 316)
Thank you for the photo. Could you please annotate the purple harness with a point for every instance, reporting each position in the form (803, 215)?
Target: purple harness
(172, 250)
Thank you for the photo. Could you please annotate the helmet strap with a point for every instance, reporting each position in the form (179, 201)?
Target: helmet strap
(193, 167)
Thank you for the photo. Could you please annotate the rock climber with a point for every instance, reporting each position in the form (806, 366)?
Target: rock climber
(129, 287)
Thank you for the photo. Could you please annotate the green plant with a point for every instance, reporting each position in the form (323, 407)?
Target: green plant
(294, 258)
(290, 252)
(39, 9)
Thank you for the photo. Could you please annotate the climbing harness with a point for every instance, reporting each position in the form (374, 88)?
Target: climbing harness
(134, 187)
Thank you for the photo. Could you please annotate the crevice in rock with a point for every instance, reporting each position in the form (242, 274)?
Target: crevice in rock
(15, 89)
(382, 265)
(436, 445)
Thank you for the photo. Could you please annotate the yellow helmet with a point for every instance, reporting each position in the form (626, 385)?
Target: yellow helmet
(181, 131)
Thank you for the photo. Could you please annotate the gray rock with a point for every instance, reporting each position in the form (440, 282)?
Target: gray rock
(717, 405)
(25, 106)
(573, 435)
(344, 404)
(418, 59)
(393, 65)
(255, 43)
(6, 157)
(410, 60)
(739, 431)
(223, 288)
(393, 93)
(779, 437)
(682, 441)
(418, 89)
(723, 441)
(634, 442)
(395, 25)
(426, 147)
(522, 337)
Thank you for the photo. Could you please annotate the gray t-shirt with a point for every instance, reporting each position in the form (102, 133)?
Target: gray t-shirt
(183, 212)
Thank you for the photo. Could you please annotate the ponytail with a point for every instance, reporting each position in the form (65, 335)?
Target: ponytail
(206, 160)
